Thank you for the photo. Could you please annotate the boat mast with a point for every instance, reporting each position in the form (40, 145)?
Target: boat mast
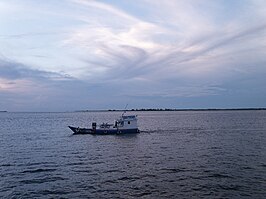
(125, 110)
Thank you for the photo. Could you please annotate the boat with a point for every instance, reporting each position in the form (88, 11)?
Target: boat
(123, 125)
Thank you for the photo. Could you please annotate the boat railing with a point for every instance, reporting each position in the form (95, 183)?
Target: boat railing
(105, 125)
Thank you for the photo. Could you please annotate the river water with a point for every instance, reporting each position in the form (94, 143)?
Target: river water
(184, 154)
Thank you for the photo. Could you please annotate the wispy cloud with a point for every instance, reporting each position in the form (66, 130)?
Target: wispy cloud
(108, 44)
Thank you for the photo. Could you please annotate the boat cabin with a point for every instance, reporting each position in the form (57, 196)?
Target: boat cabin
(127, 122)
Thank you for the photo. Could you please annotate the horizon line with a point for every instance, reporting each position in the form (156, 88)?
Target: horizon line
(139, 110)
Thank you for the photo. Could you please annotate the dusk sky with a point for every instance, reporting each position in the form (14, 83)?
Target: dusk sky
(83, 54)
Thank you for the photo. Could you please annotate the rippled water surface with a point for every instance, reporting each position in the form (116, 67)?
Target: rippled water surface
(208, 154)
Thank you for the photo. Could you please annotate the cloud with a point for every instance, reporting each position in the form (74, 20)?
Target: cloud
(182, 91)
(156, 49)
(106, 8)
(14, 70)
(21, 83)
(137, 46)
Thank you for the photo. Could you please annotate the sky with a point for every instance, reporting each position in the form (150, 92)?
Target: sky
(83, 54)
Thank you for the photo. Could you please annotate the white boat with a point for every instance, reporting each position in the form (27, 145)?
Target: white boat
(123, 125)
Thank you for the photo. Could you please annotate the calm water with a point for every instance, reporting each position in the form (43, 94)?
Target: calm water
(216, 154)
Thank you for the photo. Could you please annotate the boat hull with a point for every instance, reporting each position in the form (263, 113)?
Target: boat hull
(78, 130)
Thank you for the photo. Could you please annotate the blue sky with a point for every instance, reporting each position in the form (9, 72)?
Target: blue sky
(84, 54)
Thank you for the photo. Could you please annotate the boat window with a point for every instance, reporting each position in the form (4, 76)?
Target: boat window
(128, 122)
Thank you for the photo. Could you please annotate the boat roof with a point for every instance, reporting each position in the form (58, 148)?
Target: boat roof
(129, 117)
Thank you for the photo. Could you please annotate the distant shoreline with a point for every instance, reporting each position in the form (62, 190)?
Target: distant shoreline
(142, 110)
(166, 109)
